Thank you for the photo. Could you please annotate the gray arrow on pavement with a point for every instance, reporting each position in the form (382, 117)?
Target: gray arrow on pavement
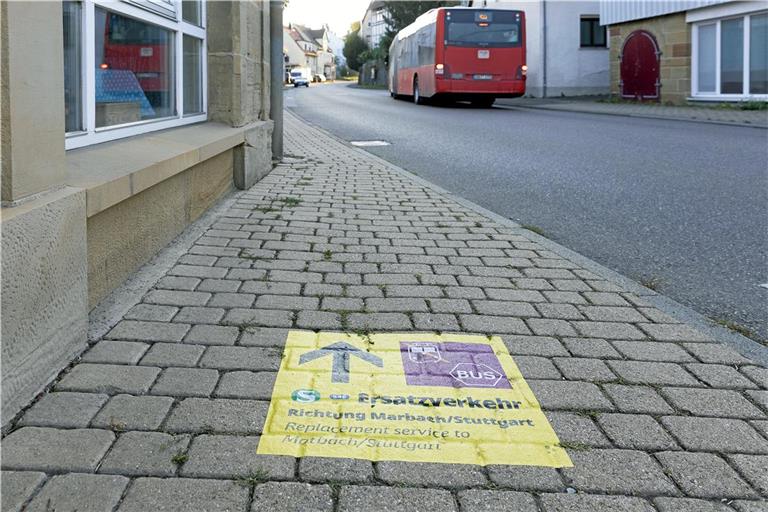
(341, 352)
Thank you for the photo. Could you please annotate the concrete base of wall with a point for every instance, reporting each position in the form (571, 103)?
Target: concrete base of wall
(65, 251)
(253, 160)
(127, 235)
(45, 314)
(559, 92)
(373, 73)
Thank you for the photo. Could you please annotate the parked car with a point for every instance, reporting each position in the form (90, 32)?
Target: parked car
(319, 77)
(299, 78)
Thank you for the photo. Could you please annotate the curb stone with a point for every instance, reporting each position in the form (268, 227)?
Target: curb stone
(634, 115)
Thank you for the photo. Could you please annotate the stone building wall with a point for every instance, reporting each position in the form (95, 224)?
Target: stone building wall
(75, 224)
(673, 35)
(373, 72)
(238, 61)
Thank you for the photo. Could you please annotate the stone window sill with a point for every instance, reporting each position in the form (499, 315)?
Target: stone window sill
(114, 171)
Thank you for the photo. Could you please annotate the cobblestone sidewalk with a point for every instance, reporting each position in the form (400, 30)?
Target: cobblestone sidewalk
(165, 412)
(734, 116)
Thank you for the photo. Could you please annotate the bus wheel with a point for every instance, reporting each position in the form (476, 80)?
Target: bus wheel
(416, 94)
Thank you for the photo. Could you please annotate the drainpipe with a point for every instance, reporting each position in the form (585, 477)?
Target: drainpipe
(544, 48)
(277, 76)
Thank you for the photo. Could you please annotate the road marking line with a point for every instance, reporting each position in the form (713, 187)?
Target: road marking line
(366, 143)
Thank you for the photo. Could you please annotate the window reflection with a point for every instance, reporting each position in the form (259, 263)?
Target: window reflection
(707, 61)
(732, 56)
(73, 87)
(758, 54)
(190, 12)
(134, 74)
(193, 75)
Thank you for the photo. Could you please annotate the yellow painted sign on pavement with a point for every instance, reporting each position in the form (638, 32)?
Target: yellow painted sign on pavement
(415, 397)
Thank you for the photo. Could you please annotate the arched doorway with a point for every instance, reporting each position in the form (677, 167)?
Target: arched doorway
(640, 66)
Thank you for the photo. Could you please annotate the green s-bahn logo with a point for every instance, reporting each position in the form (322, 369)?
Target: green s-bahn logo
(305, 396)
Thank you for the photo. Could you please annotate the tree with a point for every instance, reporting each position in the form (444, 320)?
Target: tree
(399, 15)
(354, 47)
(380, 53)
(341, 69)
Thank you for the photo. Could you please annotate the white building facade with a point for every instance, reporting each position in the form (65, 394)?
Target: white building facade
(309, 48)
(374, 24)
(336, 44)
(567, 49)
(299, 54)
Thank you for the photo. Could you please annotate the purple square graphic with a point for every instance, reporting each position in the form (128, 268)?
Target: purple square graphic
(453, 365)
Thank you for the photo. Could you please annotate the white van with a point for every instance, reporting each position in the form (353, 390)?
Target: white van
(300, 76)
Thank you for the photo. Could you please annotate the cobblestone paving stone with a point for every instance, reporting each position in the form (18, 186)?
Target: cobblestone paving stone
(165, 412)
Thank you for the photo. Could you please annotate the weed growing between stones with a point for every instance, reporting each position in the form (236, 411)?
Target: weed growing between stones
(255, 477)
(180, 458)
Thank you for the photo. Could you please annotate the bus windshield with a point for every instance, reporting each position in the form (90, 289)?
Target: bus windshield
(482, 28)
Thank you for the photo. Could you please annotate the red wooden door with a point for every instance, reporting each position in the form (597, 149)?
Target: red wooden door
(640, 66)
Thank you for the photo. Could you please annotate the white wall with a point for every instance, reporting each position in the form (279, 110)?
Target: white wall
(296, 56)
(619, 11)
(325, 64)
(337, 47)
(571, 70)
(533, 39)
(373, 26)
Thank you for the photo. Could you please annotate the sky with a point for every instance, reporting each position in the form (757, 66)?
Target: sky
(338, 14)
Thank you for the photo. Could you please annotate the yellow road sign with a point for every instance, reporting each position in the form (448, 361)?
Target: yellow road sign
(416, 397)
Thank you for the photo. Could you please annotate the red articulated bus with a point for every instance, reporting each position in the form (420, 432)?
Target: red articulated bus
(460, 54)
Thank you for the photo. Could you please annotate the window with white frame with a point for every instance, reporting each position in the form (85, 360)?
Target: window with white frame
(132, 67)
(378, 26)
(730, 57)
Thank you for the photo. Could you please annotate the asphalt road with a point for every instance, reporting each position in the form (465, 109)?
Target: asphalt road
(683, 205)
